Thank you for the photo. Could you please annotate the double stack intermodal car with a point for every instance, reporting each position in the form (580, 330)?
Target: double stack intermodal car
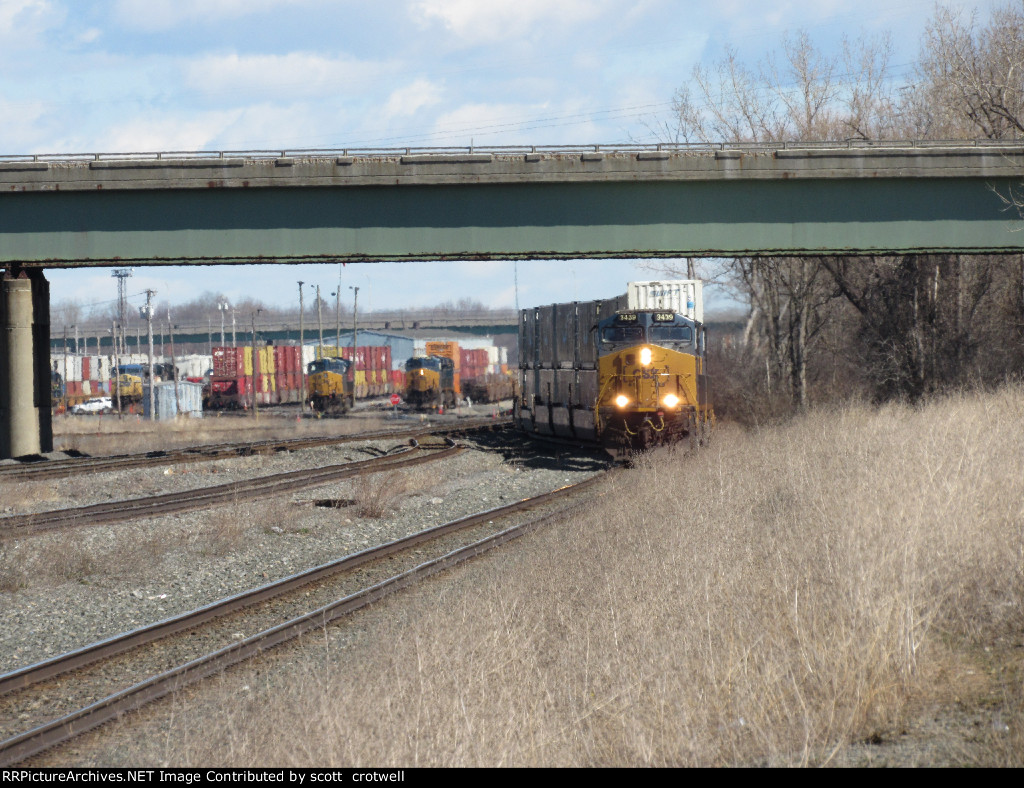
(627, 373)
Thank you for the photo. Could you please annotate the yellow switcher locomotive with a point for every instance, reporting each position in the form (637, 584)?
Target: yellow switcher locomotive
(606, 372)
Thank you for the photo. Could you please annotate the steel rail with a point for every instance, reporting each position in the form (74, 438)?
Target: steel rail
(119, 644)
(43, 469)
(189, 500)
(25, 745)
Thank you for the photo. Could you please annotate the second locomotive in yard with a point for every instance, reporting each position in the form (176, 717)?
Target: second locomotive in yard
(331, 386)
(627, 373)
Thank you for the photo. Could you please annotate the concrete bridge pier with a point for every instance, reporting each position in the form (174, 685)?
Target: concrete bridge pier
(26, 426)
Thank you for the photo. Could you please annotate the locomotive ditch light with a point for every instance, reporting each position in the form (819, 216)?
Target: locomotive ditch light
(671, 400)
(622, 400)
(645, 356)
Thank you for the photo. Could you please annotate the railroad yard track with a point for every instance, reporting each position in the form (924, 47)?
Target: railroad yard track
(201, 498)
(53, 701)
(48, 469)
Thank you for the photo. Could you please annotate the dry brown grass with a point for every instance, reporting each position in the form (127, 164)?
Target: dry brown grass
(380, 494)
(770, 601)
(73, 557)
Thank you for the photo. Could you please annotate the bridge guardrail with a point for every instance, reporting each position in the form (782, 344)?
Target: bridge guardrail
(514, 150)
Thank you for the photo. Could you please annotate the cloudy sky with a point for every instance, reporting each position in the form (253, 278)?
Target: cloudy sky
(148, 75)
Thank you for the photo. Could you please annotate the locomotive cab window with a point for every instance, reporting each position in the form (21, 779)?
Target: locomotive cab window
(338, 365)
(663, 333)
(622, 334)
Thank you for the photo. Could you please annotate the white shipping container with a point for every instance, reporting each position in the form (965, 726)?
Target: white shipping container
(683, 296)
(308, 356)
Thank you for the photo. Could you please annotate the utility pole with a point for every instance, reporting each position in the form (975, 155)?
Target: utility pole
(117, 367)
(337, 307)
(223, 307)
(255, 369)
(65, 369)
(147, 313)
(320, 320)
(234, 341)
(174, 364)
(355, 334)
(122, 274)
(337, 316)
(302, 342)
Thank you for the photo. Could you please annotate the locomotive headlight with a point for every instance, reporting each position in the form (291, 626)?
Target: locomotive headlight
(671, 400)
(645, 356)
(622, 400)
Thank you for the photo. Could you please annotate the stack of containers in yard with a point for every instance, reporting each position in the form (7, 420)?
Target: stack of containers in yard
(380, 362)
(448, 350)
(287, 360)
(265, 384)
(231, 384)
(372, 373)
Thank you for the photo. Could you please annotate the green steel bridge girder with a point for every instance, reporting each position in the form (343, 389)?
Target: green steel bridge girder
(519, 220)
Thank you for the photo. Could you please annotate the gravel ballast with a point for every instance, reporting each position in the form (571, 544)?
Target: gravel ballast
(63, 591)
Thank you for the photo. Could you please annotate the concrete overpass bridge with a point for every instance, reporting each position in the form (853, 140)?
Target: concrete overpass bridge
(499, 203)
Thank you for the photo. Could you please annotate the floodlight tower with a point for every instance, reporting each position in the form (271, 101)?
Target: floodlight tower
(121, 274)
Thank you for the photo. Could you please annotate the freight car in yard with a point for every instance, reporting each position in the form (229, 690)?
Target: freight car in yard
(627, 373)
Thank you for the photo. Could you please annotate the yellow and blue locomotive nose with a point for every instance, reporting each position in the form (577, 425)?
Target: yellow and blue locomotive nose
(645, 378)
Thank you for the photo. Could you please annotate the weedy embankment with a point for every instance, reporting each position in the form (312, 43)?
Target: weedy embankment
(770, 601)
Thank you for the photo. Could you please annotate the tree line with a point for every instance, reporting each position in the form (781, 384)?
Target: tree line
(821, 328)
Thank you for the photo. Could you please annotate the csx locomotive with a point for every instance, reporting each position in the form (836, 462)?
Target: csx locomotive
(616, 372)
(430, 382)
(331, 386)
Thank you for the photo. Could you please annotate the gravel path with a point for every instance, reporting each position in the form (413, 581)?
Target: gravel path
(62, 591)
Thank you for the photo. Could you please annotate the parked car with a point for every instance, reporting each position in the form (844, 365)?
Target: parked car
(95, 405)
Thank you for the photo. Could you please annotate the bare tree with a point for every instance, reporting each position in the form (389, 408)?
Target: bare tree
(971, 79)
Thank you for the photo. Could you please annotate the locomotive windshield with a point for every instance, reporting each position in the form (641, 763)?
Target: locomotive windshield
(337, 365)
(660, 328)
(661, 333)
(622, 334)
(424, 362)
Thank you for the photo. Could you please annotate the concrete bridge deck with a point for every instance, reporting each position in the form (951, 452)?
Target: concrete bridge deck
(505, 203)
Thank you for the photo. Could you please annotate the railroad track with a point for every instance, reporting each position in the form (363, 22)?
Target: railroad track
(247, 489)
(48, 469)
(54, 679)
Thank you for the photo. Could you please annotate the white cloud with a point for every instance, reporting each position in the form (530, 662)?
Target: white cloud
(500, 19)
(89, 36)
(153, 15)
(482, 122)
(411, 99)
(22, 20)
(293, 74)
(168, 131)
